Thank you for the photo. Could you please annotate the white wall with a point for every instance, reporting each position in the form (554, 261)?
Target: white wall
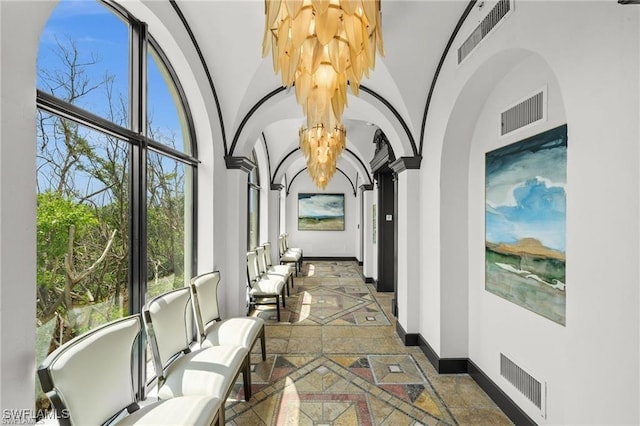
(323, 243)
(588, 54)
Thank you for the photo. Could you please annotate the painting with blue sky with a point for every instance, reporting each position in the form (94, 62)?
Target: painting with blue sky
(320, 212)
(525, 223)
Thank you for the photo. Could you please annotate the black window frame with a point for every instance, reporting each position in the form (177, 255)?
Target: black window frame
(141, 144)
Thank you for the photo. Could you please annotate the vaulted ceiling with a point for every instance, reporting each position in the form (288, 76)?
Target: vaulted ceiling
(255, 108)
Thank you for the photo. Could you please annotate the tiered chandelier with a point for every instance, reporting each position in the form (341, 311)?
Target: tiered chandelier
(319, 46)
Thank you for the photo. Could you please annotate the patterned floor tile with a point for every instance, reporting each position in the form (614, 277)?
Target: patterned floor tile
(335, 359)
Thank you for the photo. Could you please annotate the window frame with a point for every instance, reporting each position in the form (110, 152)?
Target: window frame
(136, 136)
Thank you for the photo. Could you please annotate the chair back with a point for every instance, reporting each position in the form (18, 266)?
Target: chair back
(253, 273)
(169, 323)
(89, 378)
(262, 261)
(267, 254)
(281, 245)
(204, 297)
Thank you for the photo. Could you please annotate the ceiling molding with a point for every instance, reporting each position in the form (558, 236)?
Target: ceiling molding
(381, 159)
(252, 111)
(241, 163)
(192, 36)
(281, 163)
(277, 187)
(395, 112)
(406, 163)
(353, 186)
(454, 34)
(266, 150)
(623, 2)
(364, 167)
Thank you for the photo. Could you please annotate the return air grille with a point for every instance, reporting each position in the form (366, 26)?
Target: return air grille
(488, 23)
(523, 381)
(526, 112)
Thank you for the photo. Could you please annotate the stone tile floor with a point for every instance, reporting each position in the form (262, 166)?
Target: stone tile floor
(335, 359)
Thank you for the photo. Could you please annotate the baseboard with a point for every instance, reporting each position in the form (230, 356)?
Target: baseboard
(360, 263)
(466, 366)
(369, 280)
(330, 258)
(502, 400)
(409, 339)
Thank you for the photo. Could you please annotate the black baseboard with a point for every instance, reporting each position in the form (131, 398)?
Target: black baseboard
(466, 366)
(330, 258)
(502, 400)
(369, 280)
(360, 263)
(409, 339)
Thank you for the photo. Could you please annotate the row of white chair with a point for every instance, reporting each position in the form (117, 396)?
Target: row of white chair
(267, 282)
(89, 379)
(289, 255)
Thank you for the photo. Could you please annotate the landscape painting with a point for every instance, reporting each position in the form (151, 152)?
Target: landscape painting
(525, 223)
(320, 212)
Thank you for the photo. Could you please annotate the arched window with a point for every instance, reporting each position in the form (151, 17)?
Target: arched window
(253, 197)
(116, 169)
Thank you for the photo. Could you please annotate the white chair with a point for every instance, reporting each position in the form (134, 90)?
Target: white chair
(283, 273)
(264, 290)
(179, 369)
(288, 256)
(89, 382)
(284, 270)
(214, 331)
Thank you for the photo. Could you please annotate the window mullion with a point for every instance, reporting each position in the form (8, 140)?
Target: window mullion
(138, 193)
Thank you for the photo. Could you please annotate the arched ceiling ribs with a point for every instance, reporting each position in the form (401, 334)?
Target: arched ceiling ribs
(454, 34)
(396, 114)
(266, 150)
(284, 159)
(292, 152)
(361, 163)
(252, 111)
(183, 19)
(353, 186)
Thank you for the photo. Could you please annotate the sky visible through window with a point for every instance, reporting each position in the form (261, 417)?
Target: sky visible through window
(101, 40)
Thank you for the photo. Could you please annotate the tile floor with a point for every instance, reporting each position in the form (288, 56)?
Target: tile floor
(335, 359)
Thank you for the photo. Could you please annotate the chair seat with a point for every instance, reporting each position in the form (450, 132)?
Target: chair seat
(289, 257)
(283, 270)
(211, 372)
(267, 287)
(184, 410)
(233, 331)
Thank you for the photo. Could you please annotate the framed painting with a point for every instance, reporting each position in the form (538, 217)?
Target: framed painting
(320, 212)
(525, 223)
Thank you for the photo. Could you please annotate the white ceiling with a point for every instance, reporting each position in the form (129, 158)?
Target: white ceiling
(229, 34)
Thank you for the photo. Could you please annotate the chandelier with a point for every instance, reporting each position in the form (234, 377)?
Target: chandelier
(322, 148)
(320, 46)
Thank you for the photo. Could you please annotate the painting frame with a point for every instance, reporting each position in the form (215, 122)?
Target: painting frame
(525, 223)
(321, 211)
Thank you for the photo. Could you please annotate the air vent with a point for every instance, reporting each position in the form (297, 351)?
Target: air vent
(526, 112)
(533, 389)
(484, 28)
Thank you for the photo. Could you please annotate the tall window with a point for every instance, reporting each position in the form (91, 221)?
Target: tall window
(116, 169)
(253, 195)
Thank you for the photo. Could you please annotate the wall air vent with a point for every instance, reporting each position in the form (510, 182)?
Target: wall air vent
(524, 113)
(484, 28)
(533, 389)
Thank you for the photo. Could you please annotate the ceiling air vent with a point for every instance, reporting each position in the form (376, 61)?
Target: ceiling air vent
(522, 114)
(488, 23)
(533, 389)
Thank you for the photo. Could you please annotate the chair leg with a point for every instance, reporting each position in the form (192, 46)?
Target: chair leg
(278, 308)
(246, 378)
(283, 298)
(263, 345)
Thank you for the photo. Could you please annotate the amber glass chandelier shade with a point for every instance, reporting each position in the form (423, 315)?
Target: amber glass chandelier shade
(320, 45)
(322, 147)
